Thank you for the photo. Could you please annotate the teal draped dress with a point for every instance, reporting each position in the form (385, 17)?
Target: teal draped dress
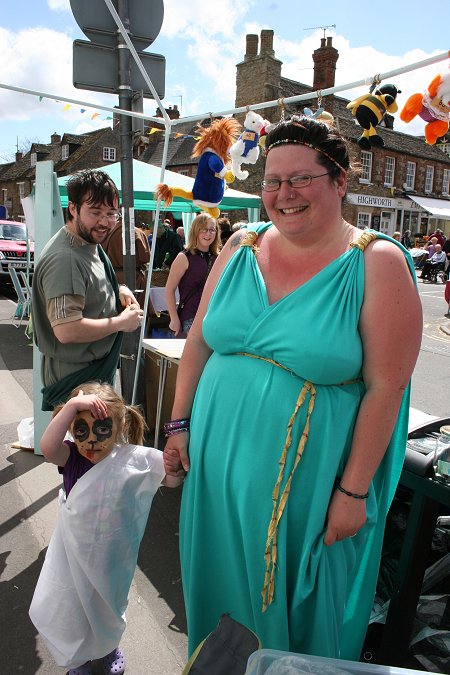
(322, 596)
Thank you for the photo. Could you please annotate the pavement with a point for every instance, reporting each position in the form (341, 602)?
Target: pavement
(155, 640)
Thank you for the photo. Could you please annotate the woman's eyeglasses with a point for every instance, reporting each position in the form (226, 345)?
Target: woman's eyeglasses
(205, 230)
(302, 181)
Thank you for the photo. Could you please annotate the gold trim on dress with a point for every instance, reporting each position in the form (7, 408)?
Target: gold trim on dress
(279, 502)
(250, 240)
(364, 240)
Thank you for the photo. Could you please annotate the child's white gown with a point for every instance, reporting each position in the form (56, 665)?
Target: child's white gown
(82, 592)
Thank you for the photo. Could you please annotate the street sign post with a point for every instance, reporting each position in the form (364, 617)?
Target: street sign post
(105, 64)
(96, 67)
(94, 18)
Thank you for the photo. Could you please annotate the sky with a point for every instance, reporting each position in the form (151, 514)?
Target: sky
(202, 41)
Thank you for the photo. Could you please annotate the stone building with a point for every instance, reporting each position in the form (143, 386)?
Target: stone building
(70, 153)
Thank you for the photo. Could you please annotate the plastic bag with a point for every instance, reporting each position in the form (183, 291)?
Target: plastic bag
(25, 432)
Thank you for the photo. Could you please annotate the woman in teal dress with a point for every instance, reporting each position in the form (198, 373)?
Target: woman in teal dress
(295, 384)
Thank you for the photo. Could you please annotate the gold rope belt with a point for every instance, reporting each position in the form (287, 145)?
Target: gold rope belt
(279, 502)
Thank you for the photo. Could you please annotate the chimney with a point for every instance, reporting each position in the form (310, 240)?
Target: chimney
(19, 155)
(251, 48)
(55, 138)
(325, 59)
(267, 42)
(172, 112)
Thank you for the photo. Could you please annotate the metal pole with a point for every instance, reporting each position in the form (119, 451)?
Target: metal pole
(130, 340)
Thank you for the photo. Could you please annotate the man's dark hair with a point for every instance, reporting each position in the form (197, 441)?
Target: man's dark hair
(92, 186)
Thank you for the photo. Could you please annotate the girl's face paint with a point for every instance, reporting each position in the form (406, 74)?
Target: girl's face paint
(94, 438)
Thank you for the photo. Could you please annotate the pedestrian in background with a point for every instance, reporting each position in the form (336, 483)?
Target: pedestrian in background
(189, 272)
(168, 246)
(113, 247)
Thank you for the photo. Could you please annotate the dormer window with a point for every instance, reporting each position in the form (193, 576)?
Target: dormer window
(33, 159)
(109, 154)
(65, 151)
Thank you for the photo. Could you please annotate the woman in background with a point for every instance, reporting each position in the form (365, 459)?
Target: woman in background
(189, 272)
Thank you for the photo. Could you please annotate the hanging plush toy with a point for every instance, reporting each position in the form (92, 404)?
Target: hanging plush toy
(246, 148)
(433, 107)
(268, 126)
(370, 109)
(212, 173)
(320, 114)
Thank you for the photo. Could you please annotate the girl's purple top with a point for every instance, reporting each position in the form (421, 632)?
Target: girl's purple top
(75, 467)
(194, 277)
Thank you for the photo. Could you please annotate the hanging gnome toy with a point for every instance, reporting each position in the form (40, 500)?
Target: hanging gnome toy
(433, 107)
(212, 173)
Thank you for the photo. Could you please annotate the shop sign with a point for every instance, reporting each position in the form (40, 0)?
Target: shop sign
(372, 200)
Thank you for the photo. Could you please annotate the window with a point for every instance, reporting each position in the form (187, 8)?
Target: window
(446, 182)
(65, 151)
(109, 154)
(410, 174)
(21, 190)
(429, 179)
(5, 195)
(33, 158)
(363, 218)
(184, 172)
(389, 170)
(366, 167)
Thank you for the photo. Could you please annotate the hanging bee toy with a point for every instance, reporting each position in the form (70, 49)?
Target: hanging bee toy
(370, 109)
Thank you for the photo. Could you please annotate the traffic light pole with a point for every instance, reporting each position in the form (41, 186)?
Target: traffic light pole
(130, 340)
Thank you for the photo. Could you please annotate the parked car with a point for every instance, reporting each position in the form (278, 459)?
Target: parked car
(13, 246)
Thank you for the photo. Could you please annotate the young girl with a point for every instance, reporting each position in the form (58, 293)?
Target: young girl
(189, 272)
(109, 483)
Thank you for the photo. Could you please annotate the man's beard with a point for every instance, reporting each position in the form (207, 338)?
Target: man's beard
(86, 234)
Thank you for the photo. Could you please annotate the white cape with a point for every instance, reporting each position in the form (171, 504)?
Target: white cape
(82, 592)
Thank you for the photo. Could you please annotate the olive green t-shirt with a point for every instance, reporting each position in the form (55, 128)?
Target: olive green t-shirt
(69, 268)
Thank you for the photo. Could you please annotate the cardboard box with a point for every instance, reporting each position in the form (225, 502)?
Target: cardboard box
(151, 368)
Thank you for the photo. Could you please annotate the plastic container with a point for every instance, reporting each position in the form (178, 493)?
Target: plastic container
(272, 662)
(441, 461)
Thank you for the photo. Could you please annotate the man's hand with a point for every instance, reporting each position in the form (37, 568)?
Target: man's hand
(126, 297)
(131, 318)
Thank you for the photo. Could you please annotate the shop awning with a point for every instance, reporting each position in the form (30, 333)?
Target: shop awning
(439, 208)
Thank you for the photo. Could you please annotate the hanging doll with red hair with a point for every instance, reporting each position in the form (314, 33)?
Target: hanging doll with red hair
(212, 173)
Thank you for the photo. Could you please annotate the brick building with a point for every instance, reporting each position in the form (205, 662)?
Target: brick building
(70, 153)
(403, 185)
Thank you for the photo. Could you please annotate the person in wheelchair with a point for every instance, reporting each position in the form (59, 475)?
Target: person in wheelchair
(434, 265)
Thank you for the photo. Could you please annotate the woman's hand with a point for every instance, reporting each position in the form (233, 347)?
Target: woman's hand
(346, 516)
(176, 460)
(175, 325)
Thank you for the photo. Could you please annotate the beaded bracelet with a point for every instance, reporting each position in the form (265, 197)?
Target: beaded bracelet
(176, 426)
(351, 494)
(175, 431)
